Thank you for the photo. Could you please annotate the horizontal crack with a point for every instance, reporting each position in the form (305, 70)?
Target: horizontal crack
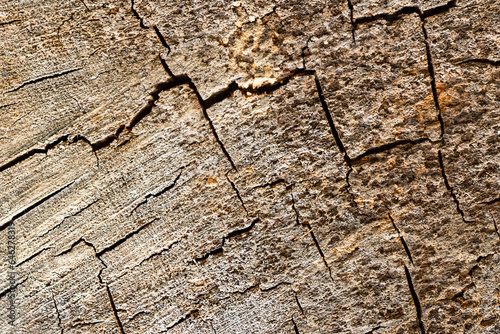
(405, 11)
(481, 61)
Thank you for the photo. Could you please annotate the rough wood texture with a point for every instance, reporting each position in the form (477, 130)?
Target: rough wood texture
(277, 166)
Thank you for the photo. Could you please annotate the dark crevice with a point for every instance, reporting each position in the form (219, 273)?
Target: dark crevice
(493, 201)
(237, 192)
(49, 146)
(439, 9)
(159, 193)
(300, 306)
(374, 329)
(165, 66)
(162, 39)
(180, 321)
(335, 133)
(9, 22)
(106, 141)
(155, 28)
(353, 24)
(295, 328)
(221, 95)
(136, 14)
(175, 81)
(389, 17)
(450, 188)
(316, 243)
(125, 238)
(34, 205)
(159, 253)
(73, 245)
(58, 315)
(416, 301)
(496, 227)
(257, 286)
(32, 152)
(33, 256)
(336, 136)
(73, 215)
(270, 184)
(115, 312)
(405, 246)
(389, 146)
(481, 61)
(85, 5)
(432, 73)
(95, 253)
(47, 77)
(227, 237)
(184, 79)
(8, 105)
(8, 290)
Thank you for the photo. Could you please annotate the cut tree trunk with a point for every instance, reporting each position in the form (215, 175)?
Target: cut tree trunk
(276, 166)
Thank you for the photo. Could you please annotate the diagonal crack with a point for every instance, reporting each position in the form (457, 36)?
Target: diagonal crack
(115, 312)
(9, 289)
(405, 246)
(450, 188)
(58, 315)
(180, 321)
(34, 151)
(236, 191)
(73, 215)
(390, 146)
(416, 301)
(295, 328)
(228, 237)
(493, 201)
(159, 193)
(143, 26)
(155, 254)
(316, 243)
(33, 206)
(29, 258)
(125, 238)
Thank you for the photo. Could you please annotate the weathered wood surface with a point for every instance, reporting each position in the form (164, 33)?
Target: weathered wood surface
(271, 166)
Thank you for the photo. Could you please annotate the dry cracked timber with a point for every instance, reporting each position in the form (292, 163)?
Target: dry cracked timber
(273, 166)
